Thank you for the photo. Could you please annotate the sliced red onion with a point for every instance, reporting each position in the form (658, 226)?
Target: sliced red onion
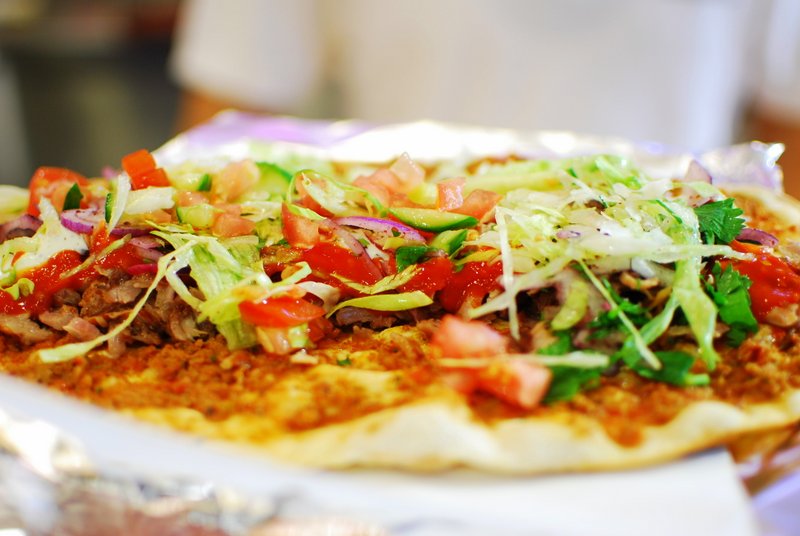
(80, 220)
(697, 173)
(383, 228)
(24, 225)
(147, 247)
(758, 236)
(84, 220)
(146, 242)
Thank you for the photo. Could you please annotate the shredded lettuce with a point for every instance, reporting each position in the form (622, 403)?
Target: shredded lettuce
(150, 199)
(119, 199)
(387, 302)
(218, 268)
(338, 198)
(51, 238)
(390, 282)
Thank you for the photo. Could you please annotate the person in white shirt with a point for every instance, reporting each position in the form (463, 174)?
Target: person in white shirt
(680, 72)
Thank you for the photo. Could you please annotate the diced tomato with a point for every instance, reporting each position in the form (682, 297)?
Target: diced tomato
(464, 381)
(775, 283)
(408, 172)
(46, 181)
(464, 338)
(479, 203)
(234, 180)
(470, 286)
(519, 382)
(189, 199)
(432, 275)
(299, 231)
(450, 194)
(327, 259)
(154, 177)
(280, 312)
(138, 163)
(141, 168)
(157, 216)
(227, 225)
(319, 328)
(383, 184)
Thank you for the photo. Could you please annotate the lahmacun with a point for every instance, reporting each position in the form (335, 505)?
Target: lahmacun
(507, 314)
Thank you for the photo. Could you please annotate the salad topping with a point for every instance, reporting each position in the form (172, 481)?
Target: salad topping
(576, 267)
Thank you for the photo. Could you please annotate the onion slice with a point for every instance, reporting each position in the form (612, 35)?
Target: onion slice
(80, 220)
(21, 226)
(383, 229)
(758, 236)
(85, 220)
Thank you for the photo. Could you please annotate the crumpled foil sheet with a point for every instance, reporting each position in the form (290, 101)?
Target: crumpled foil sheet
(50, 485)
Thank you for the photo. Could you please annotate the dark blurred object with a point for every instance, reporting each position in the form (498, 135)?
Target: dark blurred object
(91, 80)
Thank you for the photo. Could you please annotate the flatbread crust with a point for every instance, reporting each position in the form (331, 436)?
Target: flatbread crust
(441, 433)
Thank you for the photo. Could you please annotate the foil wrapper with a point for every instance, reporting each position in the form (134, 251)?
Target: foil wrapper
(71, 469)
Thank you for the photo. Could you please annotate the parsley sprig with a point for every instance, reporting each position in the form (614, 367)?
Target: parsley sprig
(719, 221)
(730, 294)
(609, 321)
(567, 381)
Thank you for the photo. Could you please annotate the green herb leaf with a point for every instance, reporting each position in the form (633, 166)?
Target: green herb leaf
(562, 345)
(609, 321)
(719, 221)
(569, 381)
(730, 294)
(405, 256)
(675, 370)
(73, 198)
(205, 183)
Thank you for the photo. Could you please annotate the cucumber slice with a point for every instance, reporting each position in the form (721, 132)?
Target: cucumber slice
(205, 183)
(449, 241)
(191, 181)
(200, 216)
(428, 219)
(274, 180)
(109, 206)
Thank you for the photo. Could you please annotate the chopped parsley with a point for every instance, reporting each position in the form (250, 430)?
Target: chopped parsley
(561, 346)
(730, 294)
(567, 381)
(675, 369)
(719, 221)
(405, 256)
(609, 321)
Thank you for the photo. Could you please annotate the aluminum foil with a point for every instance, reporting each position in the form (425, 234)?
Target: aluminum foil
(60, 460)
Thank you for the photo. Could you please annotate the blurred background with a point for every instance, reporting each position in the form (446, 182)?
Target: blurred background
(84, 82)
